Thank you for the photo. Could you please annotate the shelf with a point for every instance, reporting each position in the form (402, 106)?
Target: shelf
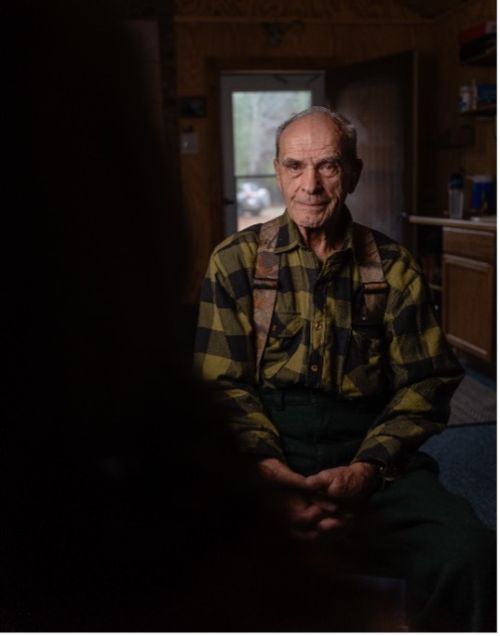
(487, 58)
(481, 111)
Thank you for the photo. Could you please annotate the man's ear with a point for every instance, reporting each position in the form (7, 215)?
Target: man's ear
(357, 167)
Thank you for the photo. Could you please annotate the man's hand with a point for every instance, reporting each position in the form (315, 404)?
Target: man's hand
(277, 472)
(323, 503)
(345, 488)
(307, 512)
(353, 482)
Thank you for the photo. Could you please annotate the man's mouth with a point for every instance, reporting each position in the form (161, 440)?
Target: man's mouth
(313, 204)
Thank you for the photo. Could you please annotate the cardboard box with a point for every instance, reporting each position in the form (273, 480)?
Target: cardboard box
(477, 42)
(477, 31)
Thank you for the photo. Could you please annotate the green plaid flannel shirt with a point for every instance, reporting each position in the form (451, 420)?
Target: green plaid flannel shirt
(317, 342)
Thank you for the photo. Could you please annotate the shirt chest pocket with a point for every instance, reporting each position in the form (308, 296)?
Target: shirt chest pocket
(283, 347)
(364, 368)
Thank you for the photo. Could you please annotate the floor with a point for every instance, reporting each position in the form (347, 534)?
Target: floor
(481, 377)
(467, 450)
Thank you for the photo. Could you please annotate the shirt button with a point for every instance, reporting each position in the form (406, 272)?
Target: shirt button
(314, 368)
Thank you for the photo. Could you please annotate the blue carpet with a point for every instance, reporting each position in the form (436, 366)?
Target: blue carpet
(467, 460)
(474, 402)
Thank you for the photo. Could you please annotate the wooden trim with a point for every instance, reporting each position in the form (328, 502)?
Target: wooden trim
(474, 244)
(415, 110)
(455, 341)
(435, 287)
(467, 262)
(238, 19)
(447, 222)
(257, 65)
(216, 168)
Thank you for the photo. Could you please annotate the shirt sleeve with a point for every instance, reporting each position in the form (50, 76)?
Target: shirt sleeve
(225, 356)
(423, 373)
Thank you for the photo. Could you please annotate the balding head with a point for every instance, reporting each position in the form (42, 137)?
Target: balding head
(344, 127)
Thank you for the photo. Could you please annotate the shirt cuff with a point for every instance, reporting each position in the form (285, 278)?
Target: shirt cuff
(386, 465)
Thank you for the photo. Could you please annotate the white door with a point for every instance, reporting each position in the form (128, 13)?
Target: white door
(252, 107)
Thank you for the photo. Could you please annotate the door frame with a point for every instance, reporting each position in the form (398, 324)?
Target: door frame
(214, 66)
(261, 82)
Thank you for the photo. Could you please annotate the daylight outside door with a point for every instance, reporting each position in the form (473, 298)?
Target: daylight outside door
(252, 107)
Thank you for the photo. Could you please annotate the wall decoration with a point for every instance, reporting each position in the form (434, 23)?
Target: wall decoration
(190, 107)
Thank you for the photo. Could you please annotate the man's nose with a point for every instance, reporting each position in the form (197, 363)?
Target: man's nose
(311, 182)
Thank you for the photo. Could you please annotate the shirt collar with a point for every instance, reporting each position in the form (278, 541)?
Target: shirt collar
(289, 237)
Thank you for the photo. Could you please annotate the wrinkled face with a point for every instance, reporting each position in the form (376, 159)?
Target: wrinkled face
(313, 172)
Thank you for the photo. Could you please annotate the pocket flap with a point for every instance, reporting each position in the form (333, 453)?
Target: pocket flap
(286, 325)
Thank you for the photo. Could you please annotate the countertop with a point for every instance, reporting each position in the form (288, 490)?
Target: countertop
(488, 223)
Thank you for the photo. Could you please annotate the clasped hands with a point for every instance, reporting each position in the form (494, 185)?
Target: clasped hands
(323, 503)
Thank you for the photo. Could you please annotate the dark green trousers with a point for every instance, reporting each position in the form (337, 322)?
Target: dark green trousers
(413, 528)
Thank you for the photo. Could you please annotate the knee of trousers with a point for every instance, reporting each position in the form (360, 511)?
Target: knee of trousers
(463, 550)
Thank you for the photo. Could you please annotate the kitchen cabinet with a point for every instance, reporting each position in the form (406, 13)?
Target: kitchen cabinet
(465, 283)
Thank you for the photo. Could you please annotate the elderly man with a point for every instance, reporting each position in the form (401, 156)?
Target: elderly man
(318, 336)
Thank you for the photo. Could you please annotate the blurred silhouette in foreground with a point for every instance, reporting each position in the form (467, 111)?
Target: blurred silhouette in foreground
(125, 505)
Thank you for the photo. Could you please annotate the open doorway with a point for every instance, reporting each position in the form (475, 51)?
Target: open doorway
(252, 107)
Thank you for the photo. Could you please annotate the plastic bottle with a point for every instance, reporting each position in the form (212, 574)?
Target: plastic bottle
(483, 196)
(465, 98)
(456, 195)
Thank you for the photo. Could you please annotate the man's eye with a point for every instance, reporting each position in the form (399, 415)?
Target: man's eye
(330, 167)
(294, 167)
